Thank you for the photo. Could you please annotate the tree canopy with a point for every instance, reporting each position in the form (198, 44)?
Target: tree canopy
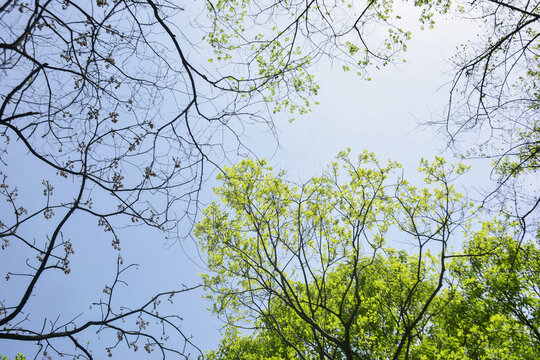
(306, 271)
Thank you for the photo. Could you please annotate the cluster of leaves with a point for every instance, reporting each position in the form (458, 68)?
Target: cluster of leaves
(276, 42)
(482, 313)
(17, 357)
(306, 272)
(493, 307)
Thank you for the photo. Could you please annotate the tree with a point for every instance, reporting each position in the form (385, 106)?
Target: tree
(304, 271)
(82, 86)
(493, 100)
(493, 106)
(314, 250)
(493, 312)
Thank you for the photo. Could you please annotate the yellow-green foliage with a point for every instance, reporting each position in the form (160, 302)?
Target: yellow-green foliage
(17, 357)
(277, 42)
(306, 269)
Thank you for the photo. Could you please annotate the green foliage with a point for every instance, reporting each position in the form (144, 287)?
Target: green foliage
(277, 42)
(493, 311)
(525, 157)
(306, 271)
(17, 357)
(385, 284)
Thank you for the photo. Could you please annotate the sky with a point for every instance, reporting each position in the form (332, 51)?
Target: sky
(384, 115)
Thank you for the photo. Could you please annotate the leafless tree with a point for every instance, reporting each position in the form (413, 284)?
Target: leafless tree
(494, 102)
(100, 95)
